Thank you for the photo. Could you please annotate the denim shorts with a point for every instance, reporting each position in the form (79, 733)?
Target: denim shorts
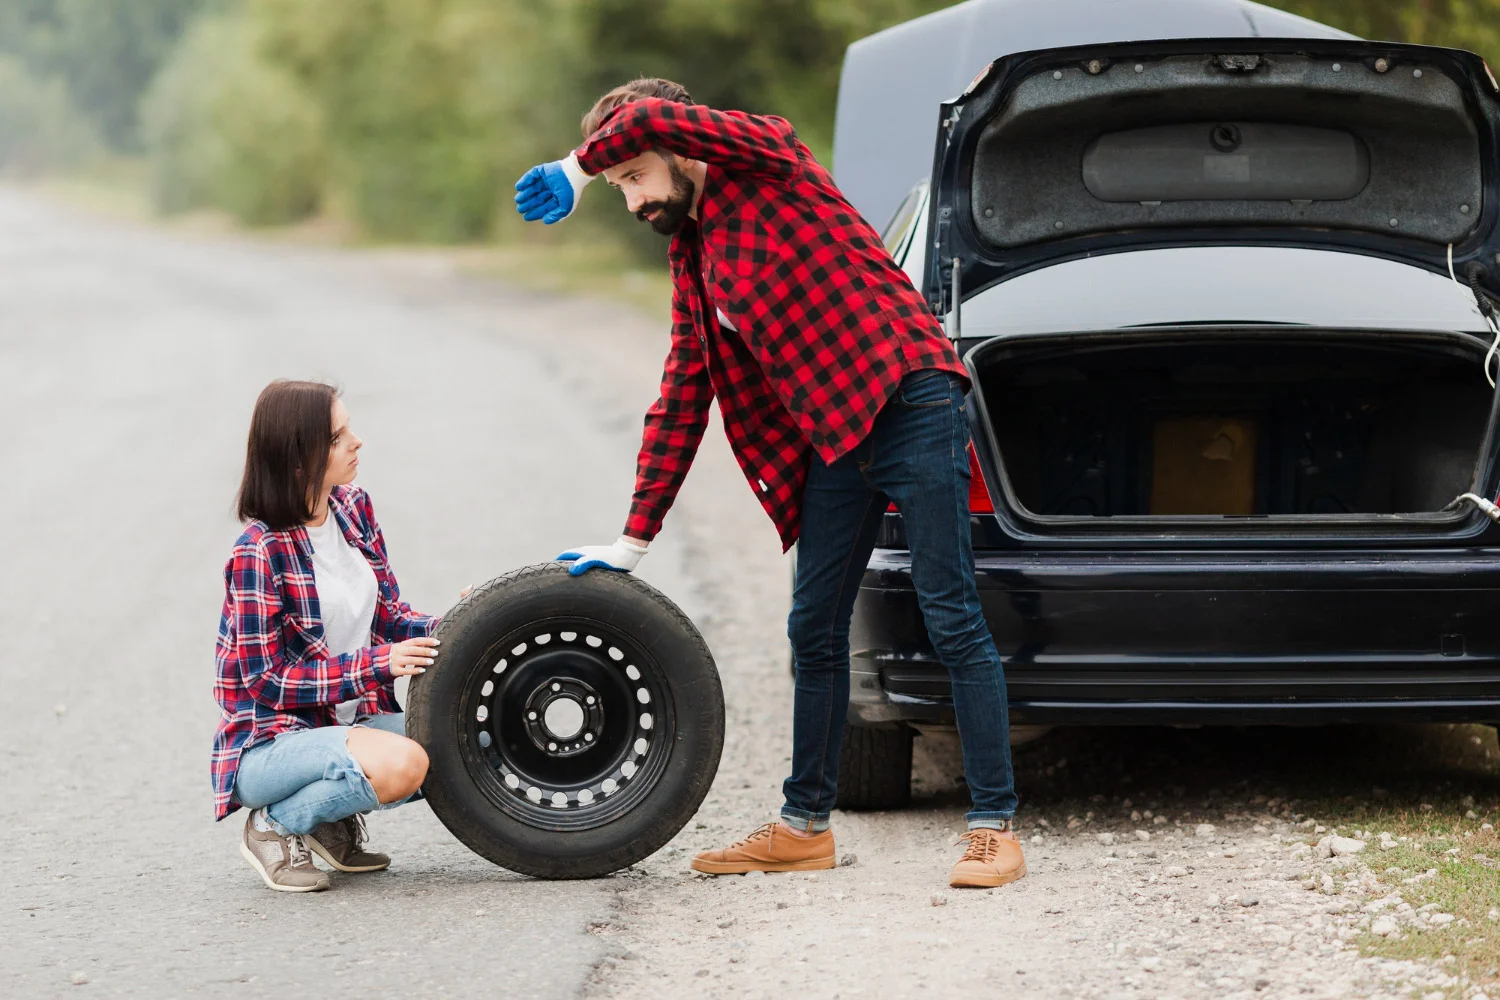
(308, 776)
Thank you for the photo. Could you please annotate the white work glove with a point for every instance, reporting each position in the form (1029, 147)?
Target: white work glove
(550, 191)
(622, 557)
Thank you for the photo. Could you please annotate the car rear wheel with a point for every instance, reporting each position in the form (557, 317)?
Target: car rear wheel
(573, 724)
(875, 768)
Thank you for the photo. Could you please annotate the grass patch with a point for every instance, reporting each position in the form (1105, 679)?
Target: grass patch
(1466, 859)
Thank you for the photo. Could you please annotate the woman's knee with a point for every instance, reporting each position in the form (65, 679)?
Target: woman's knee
(395, 765)
(413, 767)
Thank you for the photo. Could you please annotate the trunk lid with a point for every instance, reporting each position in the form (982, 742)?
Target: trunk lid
(1374, 148)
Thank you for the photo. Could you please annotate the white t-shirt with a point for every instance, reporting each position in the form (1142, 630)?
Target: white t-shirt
(347, 593)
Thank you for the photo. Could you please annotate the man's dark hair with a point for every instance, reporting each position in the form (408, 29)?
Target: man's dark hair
(635, 90)
(286, 457)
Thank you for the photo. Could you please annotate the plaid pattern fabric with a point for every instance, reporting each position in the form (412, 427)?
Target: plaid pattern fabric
(828, 324)
(275, 672)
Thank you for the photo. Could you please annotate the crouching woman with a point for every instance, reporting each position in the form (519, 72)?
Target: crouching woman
(312, 636)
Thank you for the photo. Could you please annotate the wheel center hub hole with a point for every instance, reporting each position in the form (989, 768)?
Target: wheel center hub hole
(563, 718)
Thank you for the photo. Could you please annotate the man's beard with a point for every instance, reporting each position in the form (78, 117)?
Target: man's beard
(674, 211)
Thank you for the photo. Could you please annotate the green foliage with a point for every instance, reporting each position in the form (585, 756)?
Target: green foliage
(106, 52)
(228, 129)
(1462, 24)
(39, 127)
(428, 102)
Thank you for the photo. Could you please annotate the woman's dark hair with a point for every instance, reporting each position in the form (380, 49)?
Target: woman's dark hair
(287, 454)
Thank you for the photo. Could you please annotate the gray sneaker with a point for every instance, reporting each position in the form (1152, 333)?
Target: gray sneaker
(342, 844)
(284, 863)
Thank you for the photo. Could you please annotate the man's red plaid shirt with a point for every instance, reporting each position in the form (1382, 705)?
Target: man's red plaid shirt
(828, 324)
(275, 670)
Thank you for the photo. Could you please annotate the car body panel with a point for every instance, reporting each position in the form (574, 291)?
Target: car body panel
(1143, 637)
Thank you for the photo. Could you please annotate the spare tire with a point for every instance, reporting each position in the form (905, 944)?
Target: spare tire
(573, 723)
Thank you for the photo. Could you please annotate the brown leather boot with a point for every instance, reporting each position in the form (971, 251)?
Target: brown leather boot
(772, 848)
(993, 858)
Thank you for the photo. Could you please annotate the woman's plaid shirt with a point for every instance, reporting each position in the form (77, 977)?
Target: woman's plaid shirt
(275, 671)
(828, 324)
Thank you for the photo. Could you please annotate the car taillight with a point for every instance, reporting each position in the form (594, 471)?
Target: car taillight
(979, 491)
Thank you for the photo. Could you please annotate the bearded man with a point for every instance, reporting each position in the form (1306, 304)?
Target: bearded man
(839, 394)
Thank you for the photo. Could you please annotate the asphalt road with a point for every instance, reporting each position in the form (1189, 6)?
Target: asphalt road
(130, 360)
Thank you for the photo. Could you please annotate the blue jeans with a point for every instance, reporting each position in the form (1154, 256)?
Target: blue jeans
(915, 455)
(308, 777)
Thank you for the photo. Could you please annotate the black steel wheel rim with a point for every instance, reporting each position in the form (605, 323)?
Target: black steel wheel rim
(566, 724)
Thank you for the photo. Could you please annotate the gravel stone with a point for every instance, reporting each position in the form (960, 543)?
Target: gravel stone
(1344, 846)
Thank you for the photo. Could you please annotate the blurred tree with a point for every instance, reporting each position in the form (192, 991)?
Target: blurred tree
(39, 127)
(107, 52)
(425, 100)
(230, 130)
(1463, 24)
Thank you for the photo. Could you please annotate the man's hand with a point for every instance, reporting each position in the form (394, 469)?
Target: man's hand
(413, 656)
(550, 191)
(622, 556)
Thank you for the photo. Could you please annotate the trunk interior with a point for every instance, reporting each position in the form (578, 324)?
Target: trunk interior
(1235, 425)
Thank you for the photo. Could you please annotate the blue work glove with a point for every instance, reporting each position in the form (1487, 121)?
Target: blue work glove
(622, 557)
(550, 191)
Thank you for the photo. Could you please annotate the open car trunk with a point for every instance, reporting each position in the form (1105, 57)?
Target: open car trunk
(1210, 428)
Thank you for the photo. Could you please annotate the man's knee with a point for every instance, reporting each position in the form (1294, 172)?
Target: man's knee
(968, 648)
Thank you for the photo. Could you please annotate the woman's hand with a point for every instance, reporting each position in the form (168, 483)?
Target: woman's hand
(466, 592)
(413, 656)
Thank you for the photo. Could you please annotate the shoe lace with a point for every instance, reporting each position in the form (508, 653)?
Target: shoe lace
(984, 844)
(297, 851)
(358, 834)
(761, 834)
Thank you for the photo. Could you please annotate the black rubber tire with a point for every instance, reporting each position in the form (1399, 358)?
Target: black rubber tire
(875, 768)
(534, 595)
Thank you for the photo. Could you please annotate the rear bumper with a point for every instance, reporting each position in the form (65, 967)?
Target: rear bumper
(1196, 640)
